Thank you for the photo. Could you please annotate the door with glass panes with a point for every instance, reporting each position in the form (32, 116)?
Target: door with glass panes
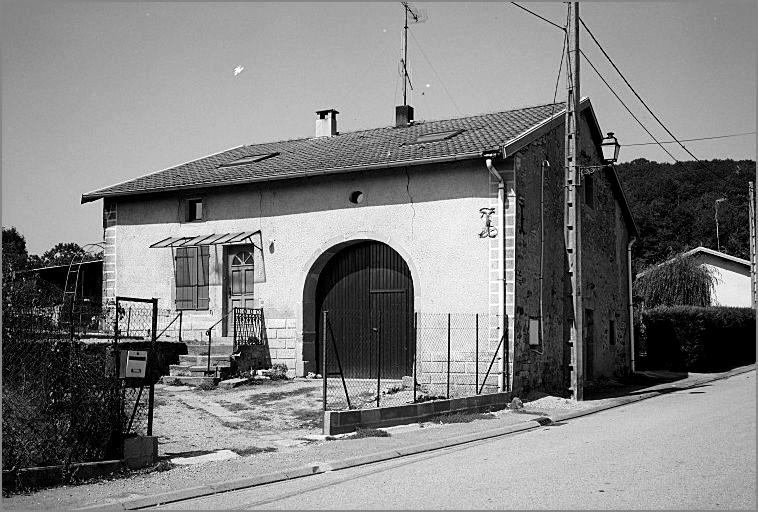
(240, 279)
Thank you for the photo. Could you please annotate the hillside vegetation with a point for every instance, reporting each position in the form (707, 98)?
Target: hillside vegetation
(673, 206)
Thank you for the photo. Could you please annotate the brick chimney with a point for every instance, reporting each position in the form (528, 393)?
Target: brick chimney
(403, 115)
(326, 123)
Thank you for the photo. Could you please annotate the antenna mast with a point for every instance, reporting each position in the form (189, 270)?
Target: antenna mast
(417, 16)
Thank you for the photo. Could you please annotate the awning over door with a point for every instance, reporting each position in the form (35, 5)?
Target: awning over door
(212, 239)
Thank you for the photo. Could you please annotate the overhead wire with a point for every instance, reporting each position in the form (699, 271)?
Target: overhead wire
(633, 90)
(691, 140)
(703, 167)
(437, 74)
(624, 104)
(540, 17)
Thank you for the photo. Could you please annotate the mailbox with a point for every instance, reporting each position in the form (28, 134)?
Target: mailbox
(133, 364)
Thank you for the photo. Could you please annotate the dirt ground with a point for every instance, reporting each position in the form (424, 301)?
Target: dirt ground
(191, 421)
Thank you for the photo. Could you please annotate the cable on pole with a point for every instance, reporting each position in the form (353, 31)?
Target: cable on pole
(691, 140)
(540, 17)
(624, 104)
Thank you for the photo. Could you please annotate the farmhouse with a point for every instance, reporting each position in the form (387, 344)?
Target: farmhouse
(460, 215)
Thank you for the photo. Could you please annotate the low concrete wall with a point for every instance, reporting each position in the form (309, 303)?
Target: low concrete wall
(340, 422)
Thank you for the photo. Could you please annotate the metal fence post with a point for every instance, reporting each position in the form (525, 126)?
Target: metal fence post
(379, 360)
(153, 368)
(181, 315)
(476, 363)
(128, 321)
(448, 356)
(323, 359)
(415, 353)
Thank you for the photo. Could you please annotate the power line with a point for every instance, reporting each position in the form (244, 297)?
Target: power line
(540, 17)
(641, 101)
(624, 104)
(635, 92)
(691, 140)
(438, 75)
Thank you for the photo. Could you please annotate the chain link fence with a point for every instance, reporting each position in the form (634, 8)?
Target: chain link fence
(375, 360)
(63, 398)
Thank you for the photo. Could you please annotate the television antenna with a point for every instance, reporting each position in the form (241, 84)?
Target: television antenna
(416, 16)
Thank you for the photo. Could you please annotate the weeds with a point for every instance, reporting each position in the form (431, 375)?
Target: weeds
(242, 452)
(361, 433)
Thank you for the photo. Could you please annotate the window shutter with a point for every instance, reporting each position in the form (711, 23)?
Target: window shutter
(203, 262)
(185, 290)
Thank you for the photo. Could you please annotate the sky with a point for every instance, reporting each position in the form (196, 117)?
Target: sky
(96, 93)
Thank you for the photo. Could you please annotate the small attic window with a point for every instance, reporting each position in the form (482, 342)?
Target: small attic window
(250, 159)
(436, 136)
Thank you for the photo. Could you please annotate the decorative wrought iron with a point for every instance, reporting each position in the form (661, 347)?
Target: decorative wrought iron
(249, 327)
(489, 230)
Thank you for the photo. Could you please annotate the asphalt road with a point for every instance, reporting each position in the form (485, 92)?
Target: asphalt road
(683, 450)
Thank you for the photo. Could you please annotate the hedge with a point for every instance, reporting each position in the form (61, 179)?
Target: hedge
(699, 339)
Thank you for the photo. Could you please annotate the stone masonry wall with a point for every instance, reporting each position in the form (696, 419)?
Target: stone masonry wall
(546, 366)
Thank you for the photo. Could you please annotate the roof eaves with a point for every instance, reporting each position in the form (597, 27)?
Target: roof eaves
(94, 196)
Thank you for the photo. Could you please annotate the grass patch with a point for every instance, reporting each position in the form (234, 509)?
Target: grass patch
(308, 418)
(361, 433)
(233, 406)
(243, 452)
(462, 417)
(278, 396)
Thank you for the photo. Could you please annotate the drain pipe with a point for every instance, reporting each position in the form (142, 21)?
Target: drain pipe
(631, 304)
(489, 156)
(545, 163)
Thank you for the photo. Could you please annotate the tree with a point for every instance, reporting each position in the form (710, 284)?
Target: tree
(64, 253)
(14, 252)
(681, 282)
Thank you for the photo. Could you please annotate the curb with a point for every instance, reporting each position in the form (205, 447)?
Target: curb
(323, 467)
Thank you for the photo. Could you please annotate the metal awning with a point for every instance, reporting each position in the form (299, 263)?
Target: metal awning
(212, 239)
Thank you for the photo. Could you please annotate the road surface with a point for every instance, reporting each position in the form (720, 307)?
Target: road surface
(688, 449)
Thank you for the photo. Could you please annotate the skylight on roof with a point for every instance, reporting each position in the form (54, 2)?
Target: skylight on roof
(249, 159)
(436, 136)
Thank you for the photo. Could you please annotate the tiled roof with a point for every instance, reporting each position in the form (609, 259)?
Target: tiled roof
(374, 148)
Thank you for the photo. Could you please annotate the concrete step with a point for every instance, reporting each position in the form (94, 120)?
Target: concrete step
(189, 381)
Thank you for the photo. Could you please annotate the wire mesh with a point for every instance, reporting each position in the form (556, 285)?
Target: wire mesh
(371, 360)
(60, 396)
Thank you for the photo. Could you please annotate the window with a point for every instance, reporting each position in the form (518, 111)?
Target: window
(249, 159)
(435, 137)
(192, 277)
(194, 210)
(589, 191)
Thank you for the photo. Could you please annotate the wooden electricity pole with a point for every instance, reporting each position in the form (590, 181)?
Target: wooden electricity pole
(573, 212)
(751, 209)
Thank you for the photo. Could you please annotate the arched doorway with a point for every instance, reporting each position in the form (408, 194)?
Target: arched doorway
(367, 290)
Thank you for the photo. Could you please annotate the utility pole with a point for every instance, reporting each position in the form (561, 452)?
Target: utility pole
(573, 212)
(751, 209)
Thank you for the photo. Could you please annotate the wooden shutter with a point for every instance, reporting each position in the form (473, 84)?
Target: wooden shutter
(192, 268)
(185, 275)
(203, 262)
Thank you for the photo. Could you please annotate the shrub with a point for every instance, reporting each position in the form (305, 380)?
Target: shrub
(278, 371)
(681, 281)
(687, 338)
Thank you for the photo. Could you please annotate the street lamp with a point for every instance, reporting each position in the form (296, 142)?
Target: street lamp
(718, 241)
(610, 147)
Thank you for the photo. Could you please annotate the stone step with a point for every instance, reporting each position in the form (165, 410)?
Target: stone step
(202, 348)
(189, 380)
(200, 360)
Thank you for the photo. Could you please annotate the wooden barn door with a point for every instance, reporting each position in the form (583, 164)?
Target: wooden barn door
(368, 291)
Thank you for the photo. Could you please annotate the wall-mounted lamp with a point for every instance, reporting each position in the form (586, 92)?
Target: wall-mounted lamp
(610, 147)
(271, 244)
